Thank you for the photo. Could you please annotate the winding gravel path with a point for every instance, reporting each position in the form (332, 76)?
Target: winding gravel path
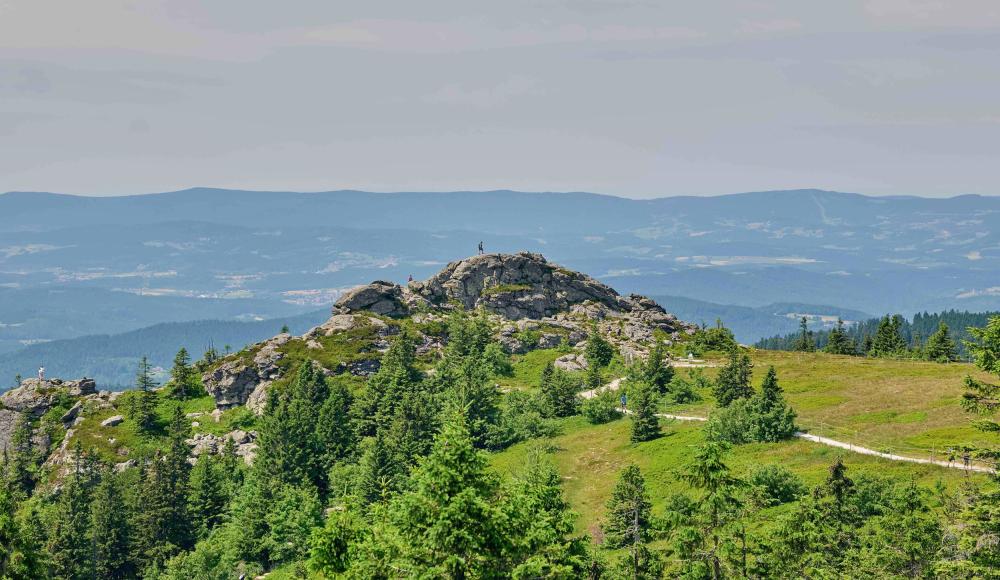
(616, 384)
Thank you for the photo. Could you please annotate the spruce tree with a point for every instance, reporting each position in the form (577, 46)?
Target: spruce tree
(656, 370)
(69, 539)
(335, 427)
(21, 460)
(771, 418)
(110, 529)
(541, 524)
(629, 520)
(450, 524)
(207, 496)
(733, 381)
(592, 377)
(162, 526)
(940, 346)
(559, 392)
(704, 550)
(141, 409)
(839, 342)
(21, 556)
(183, 379)
(642, 404)
(805, 342)
(379, 471)
(598, 350)
(888, 341)
(289, 448)
(397, 374)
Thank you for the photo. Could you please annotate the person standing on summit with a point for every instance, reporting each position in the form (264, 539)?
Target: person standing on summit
(480, 247)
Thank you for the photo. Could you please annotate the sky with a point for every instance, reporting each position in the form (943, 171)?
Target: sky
(638, 98)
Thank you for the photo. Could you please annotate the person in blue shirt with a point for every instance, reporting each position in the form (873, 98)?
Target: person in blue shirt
(623, 400)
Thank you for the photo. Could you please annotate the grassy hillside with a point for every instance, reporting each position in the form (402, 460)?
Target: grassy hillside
(906, 407)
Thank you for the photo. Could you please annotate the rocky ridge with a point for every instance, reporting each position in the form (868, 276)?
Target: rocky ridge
(534, 304)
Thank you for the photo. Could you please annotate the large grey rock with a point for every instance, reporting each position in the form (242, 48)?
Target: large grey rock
(232, 383)
(33, 397)
(8, 422)
(516, 286)
(113, 421)
(380, 297)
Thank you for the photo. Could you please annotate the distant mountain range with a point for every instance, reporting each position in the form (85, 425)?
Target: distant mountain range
(72, 266)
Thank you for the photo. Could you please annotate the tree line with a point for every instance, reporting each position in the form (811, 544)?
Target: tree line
(939, 337)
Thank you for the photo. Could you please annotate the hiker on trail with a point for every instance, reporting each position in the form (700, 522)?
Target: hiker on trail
(624, 401)
(951, 456)
(480, 248)
(965, 459)
(41, 373)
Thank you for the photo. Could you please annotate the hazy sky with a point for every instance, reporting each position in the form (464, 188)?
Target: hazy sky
(637, 98)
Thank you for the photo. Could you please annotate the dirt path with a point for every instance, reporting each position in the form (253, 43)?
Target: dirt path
(616, 384)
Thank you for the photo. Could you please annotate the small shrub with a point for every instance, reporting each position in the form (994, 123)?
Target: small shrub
(602, 408)
(681, 391)
(498, 360)
(776, 484)
(529, 338)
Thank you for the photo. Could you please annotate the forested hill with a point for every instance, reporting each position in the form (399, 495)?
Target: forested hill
(914, 331)
(112, 359)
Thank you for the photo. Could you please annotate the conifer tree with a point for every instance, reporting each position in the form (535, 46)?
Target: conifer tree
(559, 392)
(940, 346)
(656, 370)
(69, 544)
(592, 377)
(449, 525)
(162, 526)
(397, 374)
(629, 511)
(642, 403)
(335, 427)
(21, 459)
(379, 471)
(110, 529)
(598, 350)
(183, 378)
(207, 497)
(703, 550)
(733, 381)
(771, 418)
(141, 409)
(839, 342)
(628, 523)
(21, 556)
(541, 524)
(805, 342)
(289, 448)
(888, 342)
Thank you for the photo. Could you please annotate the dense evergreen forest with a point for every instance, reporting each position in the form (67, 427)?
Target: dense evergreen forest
(391, 479)
(914, 333)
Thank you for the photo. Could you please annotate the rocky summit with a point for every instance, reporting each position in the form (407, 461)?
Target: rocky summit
(532, 303)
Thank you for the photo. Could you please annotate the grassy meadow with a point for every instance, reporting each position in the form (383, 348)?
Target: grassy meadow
(906, 407)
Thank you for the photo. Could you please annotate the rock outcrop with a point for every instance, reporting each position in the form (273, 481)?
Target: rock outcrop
(380, 297)
(32, 399)
(235, 381)
(534, 303)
